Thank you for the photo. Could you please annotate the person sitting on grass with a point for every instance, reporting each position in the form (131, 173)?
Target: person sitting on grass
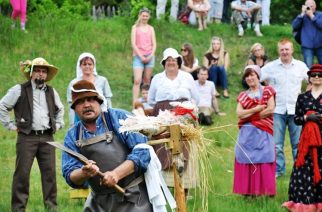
(216, 60)
(189, 62)
(200, 8)
(244, 12)
(207, 97)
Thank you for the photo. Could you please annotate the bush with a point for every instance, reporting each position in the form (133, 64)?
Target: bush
(137, 5)
(52, 8)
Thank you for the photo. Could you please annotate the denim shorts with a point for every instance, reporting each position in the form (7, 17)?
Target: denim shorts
(137, 63)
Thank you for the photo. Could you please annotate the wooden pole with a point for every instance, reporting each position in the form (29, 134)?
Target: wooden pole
(179, 193)
(177, 148)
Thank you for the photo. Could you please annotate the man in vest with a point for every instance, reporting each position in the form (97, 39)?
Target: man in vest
(97, 137)
(38, 115)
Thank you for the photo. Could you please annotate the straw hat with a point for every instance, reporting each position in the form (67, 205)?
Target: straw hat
(83, 89)
(28, 66)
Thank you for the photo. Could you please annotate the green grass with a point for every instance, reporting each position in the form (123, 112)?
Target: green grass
(62, 41)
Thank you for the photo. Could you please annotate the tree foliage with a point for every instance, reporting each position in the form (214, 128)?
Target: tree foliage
(285, 11)
(281, 11)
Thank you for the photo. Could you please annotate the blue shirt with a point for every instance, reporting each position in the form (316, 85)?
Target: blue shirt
(311, 34)
(140, 157)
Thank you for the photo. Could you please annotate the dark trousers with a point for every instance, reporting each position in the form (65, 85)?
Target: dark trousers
(27, 148)
(218, 74)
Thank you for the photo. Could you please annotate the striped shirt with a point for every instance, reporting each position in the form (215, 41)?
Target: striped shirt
(247, 102)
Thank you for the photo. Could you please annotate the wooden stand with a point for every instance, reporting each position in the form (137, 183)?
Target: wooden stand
(176, 145)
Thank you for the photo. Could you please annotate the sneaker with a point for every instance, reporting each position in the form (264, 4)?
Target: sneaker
(258, 34)
(208, 120)
(201, 118)
(241, 33)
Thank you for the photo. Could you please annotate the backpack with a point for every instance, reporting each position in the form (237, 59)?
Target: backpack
(184, 15)
(297, 34)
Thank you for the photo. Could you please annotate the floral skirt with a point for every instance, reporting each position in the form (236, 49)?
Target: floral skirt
(303, 194)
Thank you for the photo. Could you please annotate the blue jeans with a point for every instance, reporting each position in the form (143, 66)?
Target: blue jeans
(308, 55)
(218, 74)
(280, 122)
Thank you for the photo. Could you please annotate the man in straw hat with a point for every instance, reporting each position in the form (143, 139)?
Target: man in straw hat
(97, 137)
(38, 115)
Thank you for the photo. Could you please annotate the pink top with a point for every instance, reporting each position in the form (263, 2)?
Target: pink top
(144, 40)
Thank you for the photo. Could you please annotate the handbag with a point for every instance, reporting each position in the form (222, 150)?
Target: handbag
(184, 15)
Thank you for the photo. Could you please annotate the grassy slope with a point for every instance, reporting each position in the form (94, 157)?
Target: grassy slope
(61, 42)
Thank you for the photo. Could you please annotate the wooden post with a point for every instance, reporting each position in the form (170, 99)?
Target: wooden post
(177, 148)
(175, 144)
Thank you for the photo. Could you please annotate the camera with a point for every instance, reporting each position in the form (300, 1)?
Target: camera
(308, 8)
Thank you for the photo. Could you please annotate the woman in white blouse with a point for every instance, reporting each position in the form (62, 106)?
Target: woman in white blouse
(172, 84)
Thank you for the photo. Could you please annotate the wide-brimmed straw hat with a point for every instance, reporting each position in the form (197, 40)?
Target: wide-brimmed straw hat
(83, 89)
(170, 52)
(28, 66)
(256, 68)
(315, 68)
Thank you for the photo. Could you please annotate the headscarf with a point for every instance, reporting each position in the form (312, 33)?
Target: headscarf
(79, 72)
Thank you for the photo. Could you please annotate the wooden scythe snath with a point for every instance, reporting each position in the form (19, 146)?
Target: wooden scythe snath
(175, 144)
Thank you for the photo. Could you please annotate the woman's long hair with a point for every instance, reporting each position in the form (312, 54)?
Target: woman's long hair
(190, 57)
(221, 59)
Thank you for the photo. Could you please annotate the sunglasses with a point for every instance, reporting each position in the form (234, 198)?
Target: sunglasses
(316, 74)
(183, 50)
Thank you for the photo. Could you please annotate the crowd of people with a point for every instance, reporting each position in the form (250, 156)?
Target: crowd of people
(271, 102)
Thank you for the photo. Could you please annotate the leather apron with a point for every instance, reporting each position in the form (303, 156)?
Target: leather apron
(109, 152)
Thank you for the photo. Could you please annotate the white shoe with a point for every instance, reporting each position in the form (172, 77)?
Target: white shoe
(241, 33)
(258, 34)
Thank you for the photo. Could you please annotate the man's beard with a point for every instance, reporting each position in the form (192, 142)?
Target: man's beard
(39, 81)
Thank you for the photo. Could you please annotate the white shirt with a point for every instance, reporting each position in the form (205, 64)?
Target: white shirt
(287, 81)
(162, 88)
(205, 93)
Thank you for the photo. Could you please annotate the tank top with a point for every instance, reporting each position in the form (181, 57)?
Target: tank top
(144, 40)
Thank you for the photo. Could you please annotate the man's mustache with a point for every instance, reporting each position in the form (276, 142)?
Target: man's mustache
(88, 110)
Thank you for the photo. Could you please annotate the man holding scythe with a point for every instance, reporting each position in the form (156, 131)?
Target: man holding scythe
(97, 137)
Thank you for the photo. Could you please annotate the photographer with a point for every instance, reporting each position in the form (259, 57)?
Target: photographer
(309, 23)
